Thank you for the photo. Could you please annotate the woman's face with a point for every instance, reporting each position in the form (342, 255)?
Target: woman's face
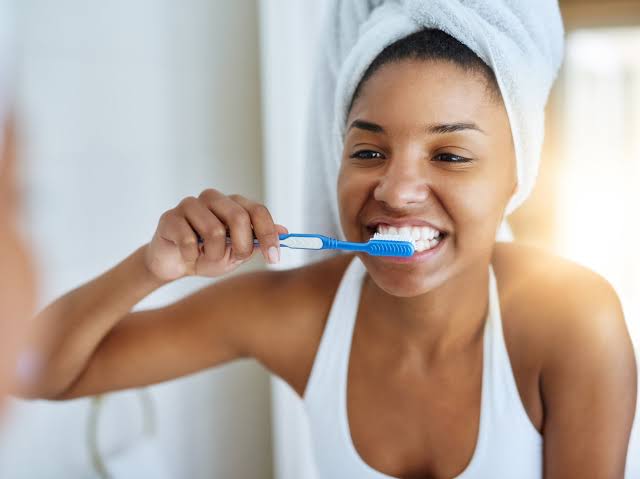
(428, 149)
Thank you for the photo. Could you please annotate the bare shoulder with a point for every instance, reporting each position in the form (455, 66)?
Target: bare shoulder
(554, 309)
(534, 283)
(562, 323)
(288, 315)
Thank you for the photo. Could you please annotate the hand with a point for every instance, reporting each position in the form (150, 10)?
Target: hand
(175, 251)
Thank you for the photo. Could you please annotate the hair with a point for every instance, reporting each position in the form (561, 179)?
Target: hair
(435, 45)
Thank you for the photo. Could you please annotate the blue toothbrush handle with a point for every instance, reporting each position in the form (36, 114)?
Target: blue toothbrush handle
(373, 247)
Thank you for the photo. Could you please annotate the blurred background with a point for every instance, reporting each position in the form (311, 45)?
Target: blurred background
(127, 106)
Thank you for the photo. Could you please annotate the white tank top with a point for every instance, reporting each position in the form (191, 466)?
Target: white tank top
(508, 445)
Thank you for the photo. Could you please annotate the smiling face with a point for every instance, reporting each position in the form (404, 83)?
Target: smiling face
(429, 148)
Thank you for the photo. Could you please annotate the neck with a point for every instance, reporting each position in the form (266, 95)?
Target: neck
(445, 320)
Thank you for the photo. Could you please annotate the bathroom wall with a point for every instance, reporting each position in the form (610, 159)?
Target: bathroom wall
(126, 107)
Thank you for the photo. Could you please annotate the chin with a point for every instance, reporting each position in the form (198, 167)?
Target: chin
(401, 282)
(412, 276)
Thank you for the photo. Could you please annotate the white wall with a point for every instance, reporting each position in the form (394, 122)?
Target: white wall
(128, 106)
(288, 31)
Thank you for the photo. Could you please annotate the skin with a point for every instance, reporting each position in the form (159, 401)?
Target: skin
(419, 324)
(17, 295)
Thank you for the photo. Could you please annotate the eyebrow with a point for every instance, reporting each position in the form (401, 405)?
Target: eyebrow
(433, 128)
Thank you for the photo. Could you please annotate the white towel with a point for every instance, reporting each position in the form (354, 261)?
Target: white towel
(521, 40)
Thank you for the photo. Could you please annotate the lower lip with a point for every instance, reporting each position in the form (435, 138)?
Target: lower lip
(421, 257)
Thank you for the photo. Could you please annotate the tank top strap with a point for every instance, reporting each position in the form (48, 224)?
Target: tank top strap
(501, 389)
(335, 343)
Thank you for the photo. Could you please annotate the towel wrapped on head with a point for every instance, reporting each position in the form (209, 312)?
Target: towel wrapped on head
(520, 40)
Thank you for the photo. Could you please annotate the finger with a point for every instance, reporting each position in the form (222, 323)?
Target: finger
(210, 194)
(282, 230)
(207, 226)
(263, 227)
(174, 227)
(237, 220)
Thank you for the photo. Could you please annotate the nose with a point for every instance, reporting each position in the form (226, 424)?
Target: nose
(402, 184)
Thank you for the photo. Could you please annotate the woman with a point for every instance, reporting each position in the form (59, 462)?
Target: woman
(438, 378)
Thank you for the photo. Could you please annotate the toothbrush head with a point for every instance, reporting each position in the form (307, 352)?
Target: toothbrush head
(391, 245)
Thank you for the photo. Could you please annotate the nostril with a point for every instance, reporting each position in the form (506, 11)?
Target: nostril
(399, 195)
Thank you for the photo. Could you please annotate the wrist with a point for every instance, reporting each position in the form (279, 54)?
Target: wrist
(147, 278)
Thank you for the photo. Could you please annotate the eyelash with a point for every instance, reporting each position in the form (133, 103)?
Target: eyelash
(355, 155)
(458, 158)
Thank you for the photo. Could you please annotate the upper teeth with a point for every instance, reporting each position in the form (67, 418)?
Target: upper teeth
(415, 232)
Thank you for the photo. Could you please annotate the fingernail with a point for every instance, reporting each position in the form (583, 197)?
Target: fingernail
(273, 255)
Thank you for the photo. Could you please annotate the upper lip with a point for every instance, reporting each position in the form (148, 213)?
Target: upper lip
(399, 222)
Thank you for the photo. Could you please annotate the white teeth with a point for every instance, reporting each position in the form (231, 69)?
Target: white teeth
(423, 245)
(425, 237)
(428, 233)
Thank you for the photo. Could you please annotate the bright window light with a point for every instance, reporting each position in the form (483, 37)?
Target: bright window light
(599, 181)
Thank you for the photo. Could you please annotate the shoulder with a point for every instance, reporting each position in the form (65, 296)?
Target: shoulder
(558, 292)
(568, 322)
(559, 311)
(565, 332)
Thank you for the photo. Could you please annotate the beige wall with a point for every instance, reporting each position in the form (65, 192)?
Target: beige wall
(128, 107)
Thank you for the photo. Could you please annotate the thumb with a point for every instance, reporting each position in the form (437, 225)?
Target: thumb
(281, 230)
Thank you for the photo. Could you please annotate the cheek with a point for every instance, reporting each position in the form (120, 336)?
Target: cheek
(353, 191)
(476, 204)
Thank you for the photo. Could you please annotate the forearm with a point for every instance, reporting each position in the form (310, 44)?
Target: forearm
(72, 328)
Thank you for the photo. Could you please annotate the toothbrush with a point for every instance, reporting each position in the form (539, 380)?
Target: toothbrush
(379, 245)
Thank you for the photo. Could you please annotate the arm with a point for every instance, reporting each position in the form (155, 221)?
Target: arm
(17, 296)
(210, 327)
(94, 343)
(588, 385)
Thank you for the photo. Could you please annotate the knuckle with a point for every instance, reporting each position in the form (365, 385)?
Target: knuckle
(189, 200)
(216, 232)
(241, 219)
(236, 197)
(259, 210)
(187, 241)
(167, 217)
(216, 202)
(209, 193)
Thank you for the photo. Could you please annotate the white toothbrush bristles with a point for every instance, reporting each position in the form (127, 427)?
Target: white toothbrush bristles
(391, 237)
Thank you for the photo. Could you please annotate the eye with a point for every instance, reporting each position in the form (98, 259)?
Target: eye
(366, 155)
(451, 158)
